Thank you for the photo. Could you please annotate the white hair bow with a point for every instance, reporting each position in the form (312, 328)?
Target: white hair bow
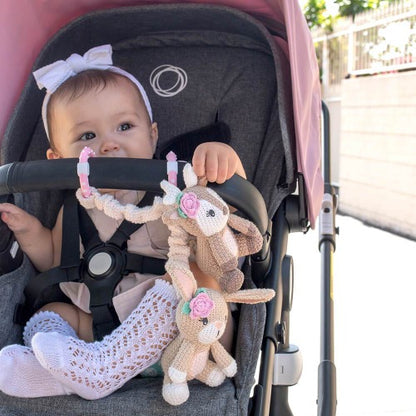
(53, 75)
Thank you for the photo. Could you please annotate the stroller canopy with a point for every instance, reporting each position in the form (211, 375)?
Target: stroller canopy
(27, 25)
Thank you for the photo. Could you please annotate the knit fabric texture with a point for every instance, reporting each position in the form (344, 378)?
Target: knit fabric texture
(95, 370)
(21, 374)
(46, 321)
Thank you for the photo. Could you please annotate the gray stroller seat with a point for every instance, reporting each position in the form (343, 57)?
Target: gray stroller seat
(235, 74)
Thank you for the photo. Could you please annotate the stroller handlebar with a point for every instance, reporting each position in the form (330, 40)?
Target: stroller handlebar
(122, 173)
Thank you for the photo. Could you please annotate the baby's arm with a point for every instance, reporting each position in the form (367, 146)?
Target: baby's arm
(217, 162)
(34, 239)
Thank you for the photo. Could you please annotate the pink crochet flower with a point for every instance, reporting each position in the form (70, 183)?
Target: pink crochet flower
(201, 306)
(189, 204)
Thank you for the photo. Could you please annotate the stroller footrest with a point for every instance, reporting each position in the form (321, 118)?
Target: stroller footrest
(288, 365)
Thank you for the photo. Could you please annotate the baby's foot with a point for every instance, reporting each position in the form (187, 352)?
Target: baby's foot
(21, 374)
(73, 362)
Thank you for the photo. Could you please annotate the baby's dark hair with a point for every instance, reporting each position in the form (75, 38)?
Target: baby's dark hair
(79, 84)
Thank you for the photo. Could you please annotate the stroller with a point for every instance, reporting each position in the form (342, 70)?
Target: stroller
(218, 66)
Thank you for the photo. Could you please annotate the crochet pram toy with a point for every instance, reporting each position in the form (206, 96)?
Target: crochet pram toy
(201, 317)
(197, 217)
(199, 222)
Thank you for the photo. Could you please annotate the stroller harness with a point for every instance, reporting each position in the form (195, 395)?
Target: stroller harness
(101, 268)
(104, 264)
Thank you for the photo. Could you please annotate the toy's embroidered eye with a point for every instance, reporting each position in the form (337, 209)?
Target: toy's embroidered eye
(211, 213)
(204, 321)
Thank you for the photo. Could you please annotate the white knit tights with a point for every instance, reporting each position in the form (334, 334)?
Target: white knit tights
(21, 374)
(64, 364)
(95, 370)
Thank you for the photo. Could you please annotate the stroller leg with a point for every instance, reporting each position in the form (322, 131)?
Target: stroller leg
(95, 370)
(21, 374)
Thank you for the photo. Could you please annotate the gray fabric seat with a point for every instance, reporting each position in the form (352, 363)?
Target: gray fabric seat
(236, 75)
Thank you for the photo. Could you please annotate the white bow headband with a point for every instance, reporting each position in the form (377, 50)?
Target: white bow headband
(53, 75)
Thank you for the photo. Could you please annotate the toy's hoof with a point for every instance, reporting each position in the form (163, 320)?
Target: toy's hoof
(215, 377)
(177, 376)
(231, 370)
(175, 394)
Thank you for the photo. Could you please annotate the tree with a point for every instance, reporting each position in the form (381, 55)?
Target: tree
(353, 7)
(316, 14)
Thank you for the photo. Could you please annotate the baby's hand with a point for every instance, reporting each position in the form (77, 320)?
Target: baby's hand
(18, 220)
(216, 162)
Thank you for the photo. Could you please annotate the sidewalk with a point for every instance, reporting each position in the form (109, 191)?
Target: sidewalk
(375, 308)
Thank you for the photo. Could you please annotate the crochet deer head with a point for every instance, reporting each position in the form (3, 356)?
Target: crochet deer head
(201, 318)
(198, 213)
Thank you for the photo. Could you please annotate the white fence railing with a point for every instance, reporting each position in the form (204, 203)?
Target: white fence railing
(380, 40)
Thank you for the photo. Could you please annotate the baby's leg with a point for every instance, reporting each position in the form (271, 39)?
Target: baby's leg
(21, 374)
(95, 370)
(205, 280)
(79, 320)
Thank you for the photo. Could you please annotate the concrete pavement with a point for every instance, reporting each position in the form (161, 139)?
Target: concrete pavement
(375, 310)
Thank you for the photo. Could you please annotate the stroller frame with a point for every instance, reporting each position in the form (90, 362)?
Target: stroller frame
(274, 264)
(268, 398)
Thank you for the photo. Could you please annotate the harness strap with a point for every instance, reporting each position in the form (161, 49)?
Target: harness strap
(45, 289)
(143, 264)
(87, 231)
(127, 228)
(89, 234)
(105, 321)
(39, 292)
(105, 318)
(70, 257)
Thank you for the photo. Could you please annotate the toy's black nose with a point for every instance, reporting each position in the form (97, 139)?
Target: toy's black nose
(211, 213)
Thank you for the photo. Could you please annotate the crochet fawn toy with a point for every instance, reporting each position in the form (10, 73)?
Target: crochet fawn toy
(200, 223)
(201, 317)
(198, 217)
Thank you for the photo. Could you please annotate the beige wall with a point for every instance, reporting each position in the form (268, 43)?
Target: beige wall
(378, 150)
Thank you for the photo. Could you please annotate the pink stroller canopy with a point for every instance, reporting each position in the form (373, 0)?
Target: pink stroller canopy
(28, 24)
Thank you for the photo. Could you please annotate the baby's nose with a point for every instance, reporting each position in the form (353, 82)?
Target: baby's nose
(109, 145)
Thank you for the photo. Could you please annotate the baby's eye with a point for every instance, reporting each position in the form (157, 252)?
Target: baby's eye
(87, 136)
(204, 321)
(124, 126)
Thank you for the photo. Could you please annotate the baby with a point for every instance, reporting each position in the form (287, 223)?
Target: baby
(90, 102)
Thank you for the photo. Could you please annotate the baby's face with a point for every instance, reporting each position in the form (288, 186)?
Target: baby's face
(112, 121)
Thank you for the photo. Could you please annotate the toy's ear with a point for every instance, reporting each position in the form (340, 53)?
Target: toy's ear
(183, 280)
(189, 176)
(250, 296)
(171, 192)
